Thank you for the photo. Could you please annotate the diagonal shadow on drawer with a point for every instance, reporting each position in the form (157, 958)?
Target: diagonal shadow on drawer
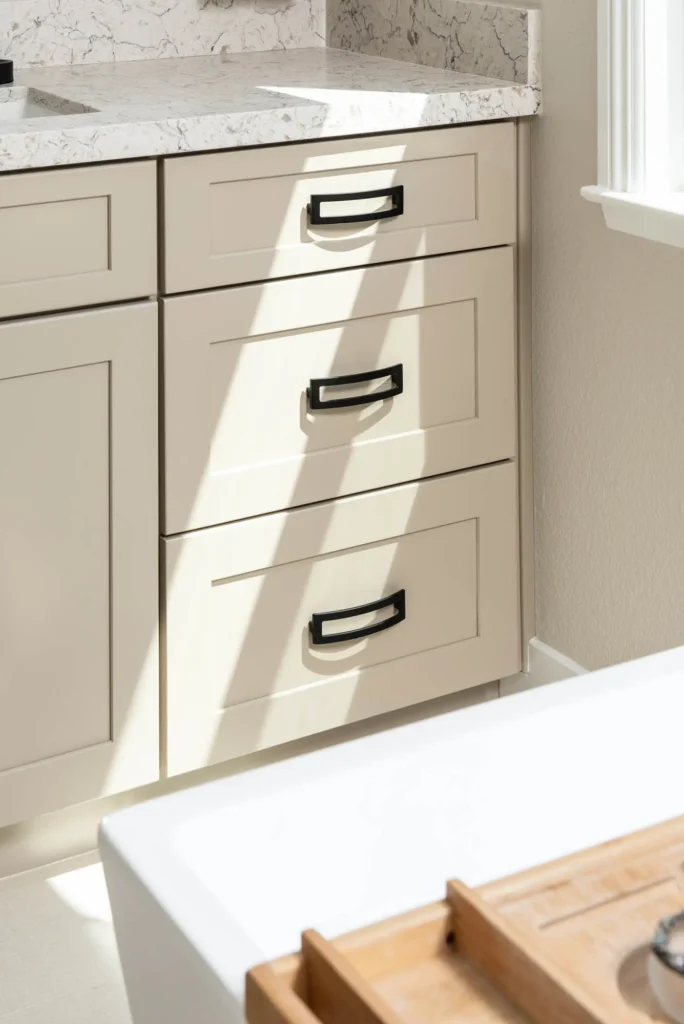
(449, 544)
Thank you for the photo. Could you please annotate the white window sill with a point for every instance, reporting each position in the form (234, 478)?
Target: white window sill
(659, 217)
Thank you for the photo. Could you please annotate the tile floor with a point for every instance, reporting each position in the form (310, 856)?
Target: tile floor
(58, 958)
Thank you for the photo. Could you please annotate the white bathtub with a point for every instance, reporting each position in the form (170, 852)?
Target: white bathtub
(208, 882)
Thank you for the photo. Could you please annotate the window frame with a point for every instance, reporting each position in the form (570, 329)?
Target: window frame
(641, 118)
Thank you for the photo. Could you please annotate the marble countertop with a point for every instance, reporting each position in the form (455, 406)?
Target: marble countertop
(190, 104)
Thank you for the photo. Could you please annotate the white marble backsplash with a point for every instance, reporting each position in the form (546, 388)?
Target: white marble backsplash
(467, 36)
(45, 33)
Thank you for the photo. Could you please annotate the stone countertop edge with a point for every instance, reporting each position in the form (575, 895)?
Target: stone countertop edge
(197, 104)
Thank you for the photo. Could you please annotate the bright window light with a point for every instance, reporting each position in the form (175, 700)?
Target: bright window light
(641, 118)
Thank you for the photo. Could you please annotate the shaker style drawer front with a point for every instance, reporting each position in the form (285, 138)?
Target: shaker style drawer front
(298, 622)
(293, 392)
(77, 237)
(281, 211)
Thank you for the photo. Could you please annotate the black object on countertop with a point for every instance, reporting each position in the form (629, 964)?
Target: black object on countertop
(6, 72)
(661, 943)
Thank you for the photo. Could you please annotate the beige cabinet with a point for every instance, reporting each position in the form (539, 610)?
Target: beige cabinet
(340, 487)
(340, 433)
(290, 624)
(78, 557)
(77, 237)
(283, 210)
(292, 392)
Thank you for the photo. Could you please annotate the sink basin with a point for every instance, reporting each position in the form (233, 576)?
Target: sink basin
(20, 102)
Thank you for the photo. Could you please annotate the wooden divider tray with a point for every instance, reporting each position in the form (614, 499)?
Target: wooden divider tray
(566, 943)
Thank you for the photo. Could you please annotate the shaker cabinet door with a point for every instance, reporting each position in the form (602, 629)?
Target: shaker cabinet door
(78, 558)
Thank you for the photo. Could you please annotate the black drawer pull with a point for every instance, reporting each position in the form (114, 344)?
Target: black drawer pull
(395, 193)
(395, 373)
(397, 601)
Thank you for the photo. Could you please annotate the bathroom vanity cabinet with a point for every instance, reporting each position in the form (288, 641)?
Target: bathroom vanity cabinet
(293, 371)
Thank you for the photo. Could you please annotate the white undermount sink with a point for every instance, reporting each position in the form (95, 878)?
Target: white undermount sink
(21, 102)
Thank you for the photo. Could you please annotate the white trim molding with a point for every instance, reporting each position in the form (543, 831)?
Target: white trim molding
(640, 118)
(659, 218)
(544, 665)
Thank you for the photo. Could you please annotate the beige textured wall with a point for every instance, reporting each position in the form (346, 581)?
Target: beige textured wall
(608, 388)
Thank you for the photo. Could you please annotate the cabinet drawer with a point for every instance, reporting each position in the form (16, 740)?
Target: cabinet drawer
(248, 216)
(244, 437)
(243, 668)
(77, 237)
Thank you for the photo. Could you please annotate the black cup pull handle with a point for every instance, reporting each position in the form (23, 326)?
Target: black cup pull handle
(395, 193)
(318, 620)
(316, 401)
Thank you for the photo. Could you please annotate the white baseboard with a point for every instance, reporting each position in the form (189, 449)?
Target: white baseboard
(545, 665)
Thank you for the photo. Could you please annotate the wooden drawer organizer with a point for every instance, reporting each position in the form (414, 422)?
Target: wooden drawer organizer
(565, 943)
